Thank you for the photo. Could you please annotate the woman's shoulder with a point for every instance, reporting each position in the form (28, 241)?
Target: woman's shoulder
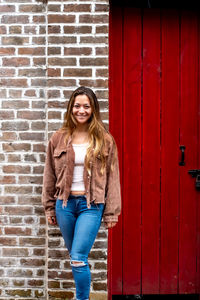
(57, 135)
(109, 139)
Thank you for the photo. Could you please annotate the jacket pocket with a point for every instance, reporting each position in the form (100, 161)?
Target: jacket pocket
(59, 157)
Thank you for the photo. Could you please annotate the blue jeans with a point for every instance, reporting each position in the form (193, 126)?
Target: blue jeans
(79, 226)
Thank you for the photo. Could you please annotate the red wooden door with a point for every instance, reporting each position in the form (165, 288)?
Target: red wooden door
(154, 109)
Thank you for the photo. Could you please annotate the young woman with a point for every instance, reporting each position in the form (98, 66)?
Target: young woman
(81, 182)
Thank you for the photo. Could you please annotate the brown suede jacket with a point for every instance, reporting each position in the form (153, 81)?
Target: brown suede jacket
(58, 175)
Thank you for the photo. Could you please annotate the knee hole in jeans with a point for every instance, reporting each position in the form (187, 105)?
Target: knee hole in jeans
(77, 263)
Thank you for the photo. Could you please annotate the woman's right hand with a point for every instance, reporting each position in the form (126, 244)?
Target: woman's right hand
(52, 220)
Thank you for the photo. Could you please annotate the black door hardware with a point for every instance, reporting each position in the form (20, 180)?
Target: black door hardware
(196, 173)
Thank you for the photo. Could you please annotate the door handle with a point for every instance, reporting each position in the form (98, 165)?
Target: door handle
(182, 162)
(196, 173)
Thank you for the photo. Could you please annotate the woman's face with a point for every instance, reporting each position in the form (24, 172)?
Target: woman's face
(82, 110)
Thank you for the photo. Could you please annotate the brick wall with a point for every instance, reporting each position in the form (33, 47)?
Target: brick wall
(46, 51)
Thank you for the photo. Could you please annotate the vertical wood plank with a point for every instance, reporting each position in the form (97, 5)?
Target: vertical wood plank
(151, 152)
(188, 137)
(169, 153)
(198, 193)
(132, 152)
(116, 129)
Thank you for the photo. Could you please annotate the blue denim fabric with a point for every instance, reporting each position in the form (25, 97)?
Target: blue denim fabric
(79, 226)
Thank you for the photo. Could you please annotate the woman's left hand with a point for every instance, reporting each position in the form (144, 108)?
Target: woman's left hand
(110, 224)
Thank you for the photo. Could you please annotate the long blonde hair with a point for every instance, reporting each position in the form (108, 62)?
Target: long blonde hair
(96, 128)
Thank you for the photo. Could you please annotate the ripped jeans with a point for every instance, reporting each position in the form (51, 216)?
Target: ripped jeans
(79, 226)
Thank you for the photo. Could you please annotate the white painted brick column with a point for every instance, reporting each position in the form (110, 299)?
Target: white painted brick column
(47, 50)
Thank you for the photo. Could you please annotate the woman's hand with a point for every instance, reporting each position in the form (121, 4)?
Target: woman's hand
(52, 220)
(110, 224)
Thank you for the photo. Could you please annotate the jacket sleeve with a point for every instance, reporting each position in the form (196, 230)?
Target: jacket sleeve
(49, 182)
(113, 189)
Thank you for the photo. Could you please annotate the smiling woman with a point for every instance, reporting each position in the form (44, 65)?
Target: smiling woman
(81, 182)
(82, 110)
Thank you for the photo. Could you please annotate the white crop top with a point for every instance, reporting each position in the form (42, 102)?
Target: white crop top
(80, 152)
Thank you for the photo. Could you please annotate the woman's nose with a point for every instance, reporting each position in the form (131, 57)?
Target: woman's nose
(81, 109)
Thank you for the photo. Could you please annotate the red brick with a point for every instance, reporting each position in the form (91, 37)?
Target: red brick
(54, 115)
(7, 179)
(30, 93)
(99, 61)
(99, 83)
(7, 51)
(16, 169)
(101, 51)
(3, 30)
(17, 231)
(13, 82)
(39, 19)
(93, 19)
(101, 72)
(61, 82)
(15, 29)
(15, 104)
(77, 51)
(38, 125)
(60, 61)
(10, 147)
(6, 114)
(30, 179)
(77, 72)
(102, 29)
(61, 294)
(54, 29)
(7, 72)
(94, 39)
(53, 93)
(13, 157)
(7, 8)
(54, 50)
(78, 29)
(32, 8)
(22, 210)
(65, 18)
(15, 252)
(14, 40)
(21, 19)
(54, 7)
(62, 40)
(39, 61)
(34, 241)
(13, 93)
(38, 148)
(18, 190)
(6, 241)
(54, 72)
(32, 51)
(31, 115)
(77, 8)
(39, 40)
(32, 72)
(15, 126)
(101, 7)
(18, 292)
(38, 82)
(32, 136)
(8, 136)
(42, 30)
(30, 29)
